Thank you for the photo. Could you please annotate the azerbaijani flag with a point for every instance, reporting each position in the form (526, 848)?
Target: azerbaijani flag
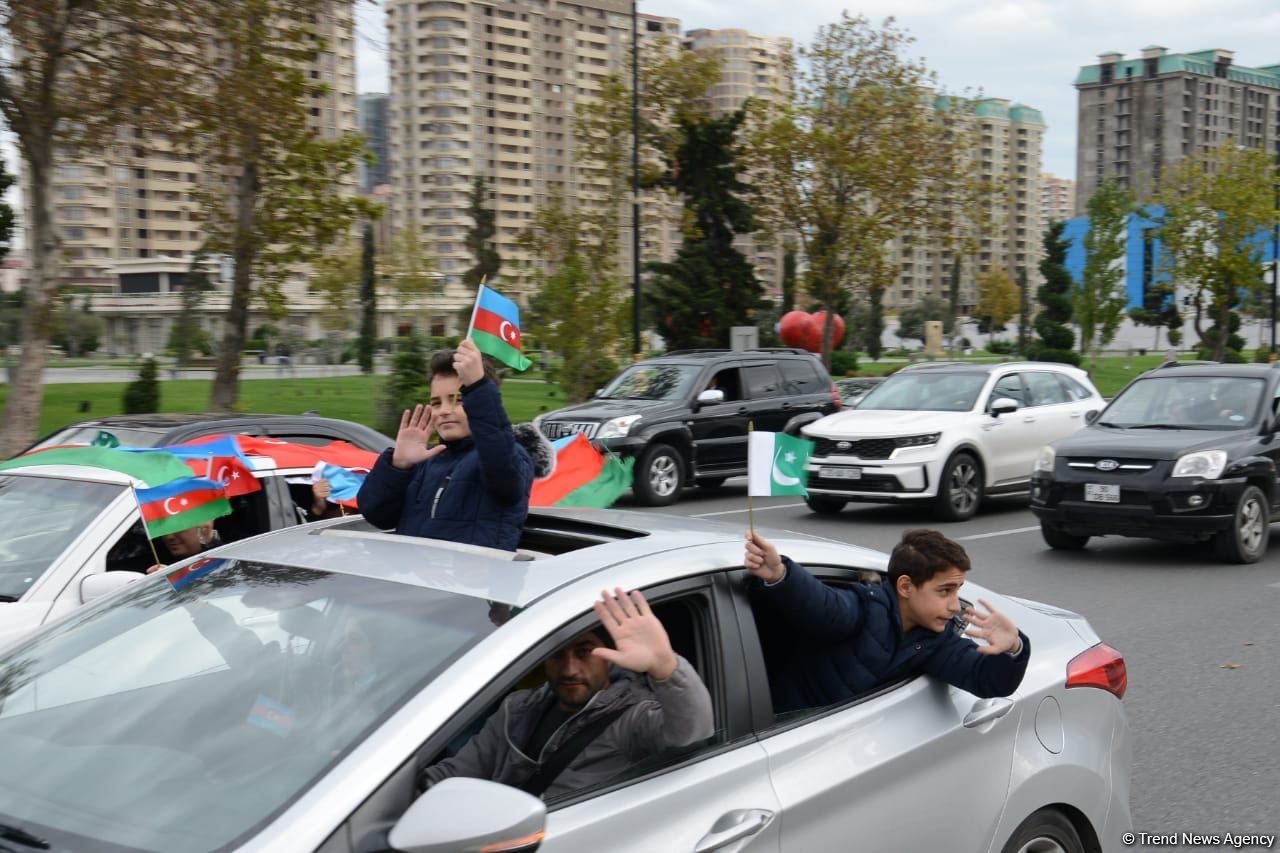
(193, 571)
(583, 476)
(776, 464)
(495, 327)
(176, 506)
(153, 469)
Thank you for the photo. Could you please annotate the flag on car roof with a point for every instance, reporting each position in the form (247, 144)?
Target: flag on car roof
(152, 469)
(582, 477)
(216, 458)
(776, 464)
(193, 571)
(288, 454)
(181, 504)
(495, 327)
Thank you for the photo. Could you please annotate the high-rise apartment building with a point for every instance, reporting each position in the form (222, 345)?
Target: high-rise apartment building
(751, 66)
(488, 88)
(132, 199)
(1006, 153)
(1136, 117)
(1057, 199)
(372, 111)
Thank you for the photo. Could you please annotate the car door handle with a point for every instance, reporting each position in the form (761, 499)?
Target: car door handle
(1076, 414)
(733, 826)
(986, 710)
(742, 411)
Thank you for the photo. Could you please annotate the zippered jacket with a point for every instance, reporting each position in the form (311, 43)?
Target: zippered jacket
(476, 491)
(658, 715)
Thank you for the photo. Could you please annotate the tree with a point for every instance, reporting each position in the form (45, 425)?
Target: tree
(1217, 211)
(277, 199)
(710, 286)
(1024, 313)
(857, 157)
(336, 278)
(407, 269)
(997, 301)
(911, 320)
(1057, 341)
(75, 329)
(480, 238)
(186, 336)
(788, 276)
(142, 395)
(1100, 299)
(368, 339)
(6, 211)
(71, 71)
(406, 386)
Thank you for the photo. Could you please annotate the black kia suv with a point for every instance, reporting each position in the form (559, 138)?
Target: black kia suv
(1184, 453)
(684, 416)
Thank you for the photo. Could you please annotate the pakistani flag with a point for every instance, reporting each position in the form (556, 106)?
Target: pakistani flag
(775, 464)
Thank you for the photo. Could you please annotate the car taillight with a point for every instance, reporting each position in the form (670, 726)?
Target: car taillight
(835, 396)
(1100, 666)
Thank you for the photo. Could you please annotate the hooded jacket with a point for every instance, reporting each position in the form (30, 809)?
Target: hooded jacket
(851, 641)
(476, 491)
(658, 715)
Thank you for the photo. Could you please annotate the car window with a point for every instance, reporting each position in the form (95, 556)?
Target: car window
(1187, 402)
(762, 380)
(925, 391)
(224, 682)
(1008, 386)
(1074, 390)
(1043, 389)
(104, 436)
(800, 376)
(653, 382)
(728, 381)
(39, 519)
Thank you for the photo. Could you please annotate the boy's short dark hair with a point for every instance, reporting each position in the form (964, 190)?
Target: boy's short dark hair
(924, 553)
(441, 364)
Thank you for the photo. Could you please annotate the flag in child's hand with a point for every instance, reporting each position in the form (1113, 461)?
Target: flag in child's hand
(495, 328)
(776, 464)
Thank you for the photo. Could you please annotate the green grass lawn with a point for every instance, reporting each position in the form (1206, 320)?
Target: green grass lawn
(350, 397)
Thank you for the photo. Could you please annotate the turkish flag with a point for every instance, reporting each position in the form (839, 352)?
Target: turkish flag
(287, 454)
(228, 470)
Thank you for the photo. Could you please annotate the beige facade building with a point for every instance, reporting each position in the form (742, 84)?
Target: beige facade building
(1057, 199)
(751, 66)
(1136, 117)
(1007, 153)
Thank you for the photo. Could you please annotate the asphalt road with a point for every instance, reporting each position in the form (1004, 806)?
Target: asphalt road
(1199, 637)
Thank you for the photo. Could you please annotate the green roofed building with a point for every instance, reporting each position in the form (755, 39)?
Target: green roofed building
(1138, 116)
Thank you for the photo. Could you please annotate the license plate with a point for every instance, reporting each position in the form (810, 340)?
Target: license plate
(1102, 493)
(841, 473)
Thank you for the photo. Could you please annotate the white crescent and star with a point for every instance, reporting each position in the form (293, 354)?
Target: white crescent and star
(169, 510)
(509, 336)
(783, 479)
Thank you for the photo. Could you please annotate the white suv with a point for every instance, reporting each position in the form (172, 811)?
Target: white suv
(947, 432)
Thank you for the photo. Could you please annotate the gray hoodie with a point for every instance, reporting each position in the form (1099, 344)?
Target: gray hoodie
(658, 715)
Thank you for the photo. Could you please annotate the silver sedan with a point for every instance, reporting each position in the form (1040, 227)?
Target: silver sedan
(281, 694)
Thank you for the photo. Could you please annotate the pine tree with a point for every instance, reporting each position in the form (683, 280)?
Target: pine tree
(788, 277)
(480, 238)
(406, 386)
(142, 396)
(368, 304)
(1057, 341)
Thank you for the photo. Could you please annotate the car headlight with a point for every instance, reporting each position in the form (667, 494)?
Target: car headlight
(618, 427)
(1208, 464)
(1044, 461)
(926, 440)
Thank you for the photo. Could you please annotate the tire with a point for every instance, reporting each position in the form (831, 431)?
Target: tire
(1061, 540)
(960, 489)
(823, 505)
(711, 482)
(659, 475)
(1046, 831)
(1250, 531)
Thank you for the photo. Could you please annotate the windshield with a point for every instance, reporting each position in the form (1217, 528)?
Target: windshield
(39, 518)
(925, 391)
(104, 436)
(1187, 402)
(653, 382)
(180, 719)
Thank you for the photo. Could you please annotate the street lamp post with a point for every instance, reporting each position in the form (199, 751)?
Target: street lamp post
(635, 179)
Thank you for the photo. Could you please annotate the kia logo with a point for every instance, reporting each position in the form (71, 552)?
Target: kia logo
(843, 445)
(1106, 465)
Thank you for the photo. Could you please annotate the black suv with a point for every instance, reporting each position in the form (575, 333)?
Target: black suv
(684, 416)
(1185, 453)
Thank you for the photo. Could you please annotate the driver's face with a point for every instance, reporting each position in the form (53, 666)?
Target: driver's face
(576, 674)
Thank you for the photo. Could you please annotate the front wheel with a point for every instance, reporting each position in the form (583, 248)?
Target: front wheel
(1046, 831)
(659, 476)
(1246, 541)
(1060, 539)
(824, 505)
(960, 490)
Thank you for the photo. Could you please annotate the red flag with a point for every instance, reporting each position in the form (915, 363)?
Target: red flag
(287, 454)
(577, 463)
(228, 470)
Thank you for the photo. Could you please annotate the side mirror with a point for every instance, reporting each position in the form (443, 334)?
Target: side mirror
(597, 392)
(99, 584)
(1091, 416)
(1003, 406)
(711, 395)
(471, 814)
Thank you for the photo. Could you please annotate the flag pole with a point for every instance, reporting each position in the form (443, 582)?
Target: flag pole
(476, 308)
(751, 515)
(145, 530)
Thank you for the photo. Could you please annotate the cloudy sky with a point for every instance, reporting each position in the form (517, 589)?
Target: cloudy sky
(1025, 50)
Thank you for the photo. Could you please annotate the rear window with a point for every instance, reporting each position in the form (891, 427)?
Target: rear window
(103, 437)
(801, 377)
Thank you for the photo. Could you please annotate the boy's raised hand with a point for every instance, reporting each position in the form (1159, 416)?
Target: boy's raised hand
(994, 627)
(642, 644)
(411, 440)
(762, 559)
(468, 363)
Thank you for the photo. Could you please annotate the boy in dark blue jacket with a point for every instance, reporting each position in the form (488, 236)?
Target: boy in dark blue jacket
(855, 639)
(473, 487)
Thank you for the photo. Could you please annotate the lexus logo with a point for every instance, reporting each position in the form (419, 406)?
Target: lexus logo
(843, 445)
(1106, 465)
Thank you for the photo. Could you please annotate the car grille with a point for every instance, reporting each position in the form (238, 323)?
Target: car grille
(867, 448)
(559, 429)
(1122, 466)
(870, 482)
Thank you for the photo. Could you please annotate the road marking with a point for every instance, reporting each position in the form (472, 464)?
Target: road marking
(997, 533)
(734, 511)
